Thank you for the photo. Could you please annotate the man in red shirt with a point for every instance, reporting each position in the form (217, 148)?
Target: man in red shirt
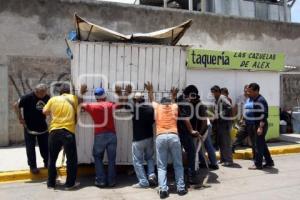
(102, 113)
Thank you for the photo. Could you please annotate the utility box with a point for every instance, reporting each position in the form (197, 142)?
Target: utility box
(105, 64)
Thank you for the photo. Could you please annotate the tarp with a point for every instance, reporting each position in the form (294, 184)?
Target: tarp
(88, 31)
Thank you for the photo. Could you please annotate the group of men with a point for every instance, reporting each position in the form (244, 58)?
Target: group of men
(180, 121)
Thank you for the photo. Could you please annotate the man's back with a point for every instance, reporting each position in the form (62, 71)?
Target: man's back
(63, 110)
(103, 116)
(166, 118)
(143, 119)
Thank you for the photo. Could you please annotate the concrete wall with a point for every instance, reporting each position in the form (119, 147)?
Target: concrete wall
(36, 29)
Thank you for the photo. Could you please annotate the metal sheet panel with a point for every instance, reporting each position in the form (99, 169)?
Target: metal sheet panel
(109, 63)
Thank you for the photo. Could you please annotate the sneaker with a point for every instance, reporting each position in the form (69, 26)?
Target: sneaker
(76, 185)
(139, 186)
(214, 167)
(100, 184)
(34, 170)
(152, 181)
(182, 192)
(163, 194)
(268, 165)
(254, 167)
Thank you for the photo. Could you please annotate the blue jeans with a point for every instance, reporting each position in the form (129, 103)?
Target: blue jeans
(143, 150)
(211, 152)
(108, 142)
(168, 144)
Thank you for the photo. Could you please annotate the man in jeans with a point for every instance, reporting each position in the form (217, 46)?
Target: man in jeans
(167, 142)
(34, 123)
(102, 113)
(257, 127)
(142, 144)
(63, 110)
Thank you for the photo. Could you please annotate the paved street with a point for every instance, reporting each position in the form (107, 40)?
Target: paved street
(282, 182)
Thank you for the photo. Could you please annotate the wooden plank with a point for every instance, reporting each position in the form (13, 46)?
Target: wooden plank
(98, 65)
(134, 66)
(176, 68)
(141, 68)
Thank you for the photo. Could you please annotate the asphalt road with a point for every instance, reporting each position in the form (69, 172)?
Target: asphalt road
(281, 182)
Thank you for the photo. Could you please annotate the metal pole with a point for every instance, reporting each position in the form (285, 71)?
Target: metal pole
(203, 6)
(190, 4)
(285, 10)
(165, 3)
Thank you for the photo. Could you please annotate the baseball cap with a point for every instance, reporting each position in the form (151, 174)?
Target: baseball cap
(99, 92)
(138, 95)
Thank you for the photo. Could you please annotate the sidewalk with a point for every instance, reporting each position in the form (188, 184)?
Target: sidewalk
(13, 162)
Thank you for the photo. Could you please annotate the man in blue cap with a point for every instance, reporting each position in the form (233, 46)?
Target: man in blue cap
(102, 113)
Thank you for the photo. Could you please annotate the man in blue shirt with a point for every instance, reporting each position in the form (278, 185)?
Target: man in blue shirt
(256, 114)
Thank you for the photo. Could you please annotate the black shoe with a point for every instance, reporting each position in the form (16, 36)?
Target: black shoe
(227, 164)
(268, 165)
(152, 181)
(34, 170)
(182, 192)
(193, 180)
(233, 149)
(214, 167)
(202, 166)
(100, 184)
(163, 194)
(111, 185)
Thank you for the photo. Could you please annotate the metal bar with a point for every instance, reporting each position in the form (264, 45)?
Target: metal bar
(165, 3)
(190, 4)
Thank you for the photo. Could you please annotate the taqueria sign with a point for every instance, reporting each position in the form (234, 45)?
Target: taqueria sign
(253, 61)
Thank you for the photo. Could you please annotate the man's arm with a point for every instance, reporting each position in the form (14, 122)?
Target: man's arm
(174, 92)
(149, 88)
(83, 91)
(122, 99)
(46, 109)
(19, 113)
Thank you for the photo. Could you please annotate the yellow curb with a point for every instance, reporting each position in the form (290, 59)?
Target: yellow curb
(280, 150)
(14, 176)
(25, 175)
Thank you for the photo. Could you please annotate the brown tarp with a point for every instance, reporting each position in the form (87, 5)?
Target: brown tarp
(88, 31)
